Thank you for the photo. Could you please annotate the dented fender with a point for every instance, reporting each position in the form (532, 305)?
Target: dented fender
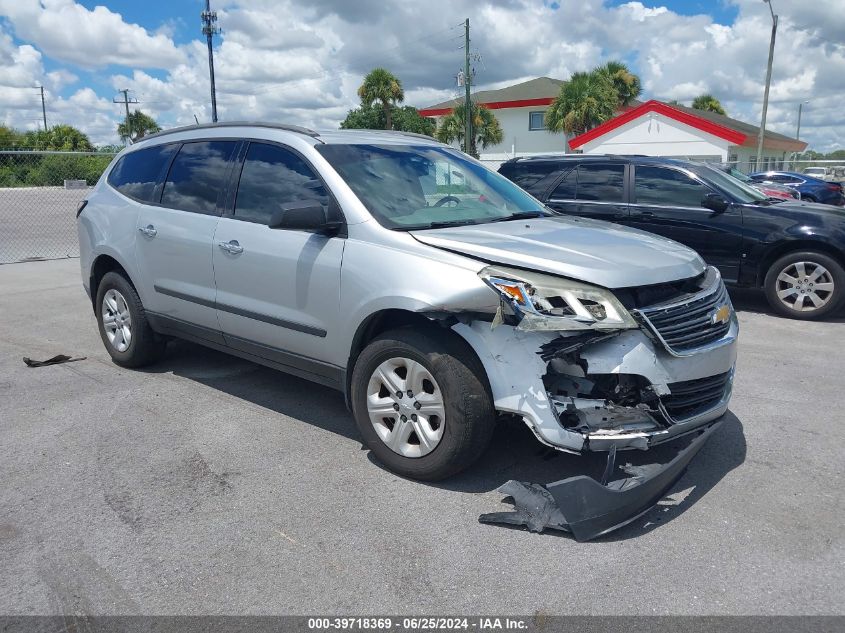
(514, 369)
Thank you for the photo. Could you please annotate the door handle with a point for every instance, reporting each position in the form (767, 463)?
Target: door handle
(232, 246)
(644, 214)
(149, 230)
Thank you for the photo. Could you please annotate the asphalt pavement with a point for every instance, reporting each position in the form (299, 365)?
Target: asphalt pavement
(210, 485)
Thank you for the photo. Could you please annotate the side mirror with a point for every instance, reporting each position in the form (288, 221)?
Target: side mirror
(304, 215)
(715, 202)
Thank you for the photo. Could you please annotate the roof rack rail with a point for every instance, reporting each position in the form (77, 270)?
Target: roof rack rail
(402, 132)
(222, 124)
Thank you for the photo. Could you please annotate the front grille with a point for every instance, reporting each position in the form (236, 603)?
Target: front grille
(690, 397)
(690, 325)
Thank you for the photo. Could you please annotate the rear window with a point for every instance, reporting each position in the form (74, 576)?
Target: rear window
(531, 176)
(198, 176)
(593, 182)
(601, 183)
(136, 174)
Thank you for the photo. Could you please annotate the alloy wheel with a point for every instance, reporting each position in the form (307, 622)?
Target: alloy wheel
(804, 286)
(117, 322)
(406, 408)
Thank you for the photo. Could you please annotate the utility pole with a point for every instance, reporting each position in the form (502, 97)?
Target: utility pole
(43, 107)
(209, 28)
(798, 131)
(468, 100)
(126, 101)
(768, 82)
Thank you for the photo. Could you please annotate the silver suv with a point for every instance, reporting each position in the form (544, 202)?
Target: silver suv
(431, 291)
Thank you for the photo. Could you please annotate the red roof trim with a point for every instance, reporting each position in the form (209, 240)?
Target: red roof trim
(519, 103)
(495, 105)
(731, 135)
(435, 111)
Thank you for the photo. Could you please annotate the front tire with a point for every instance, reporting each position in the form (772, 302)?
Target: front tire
(422, 404)
(805, 285)
(122, 322)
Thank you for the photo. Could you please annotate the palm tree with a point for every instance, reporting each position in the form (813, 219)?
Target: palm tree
(140, 125)
(627, 84)
(708, 103)
(486, 130)
(585, 101)
(381, 85)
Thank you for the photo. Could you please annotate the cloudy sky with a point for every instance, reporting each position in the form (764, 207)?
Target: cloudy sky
(300, 61)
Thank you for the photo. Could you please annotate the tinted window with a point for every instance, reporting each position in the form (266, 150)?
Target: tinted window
(530, 175)
(273, 176)
(604, 183)
(566, 189)
(669, 187)
(136, 174)
(198, 176)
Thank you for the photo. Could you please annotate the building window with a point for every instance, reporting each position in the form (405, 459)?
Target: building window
(536, 120)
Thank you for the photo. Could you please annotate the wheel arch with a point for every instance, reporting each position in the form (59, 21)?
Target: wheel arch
(102, 264)
(780, 249)
(390, 319)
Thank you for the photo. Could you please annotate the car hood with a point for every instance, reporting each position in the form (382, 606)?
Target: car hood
(596, 252)
(809, 209)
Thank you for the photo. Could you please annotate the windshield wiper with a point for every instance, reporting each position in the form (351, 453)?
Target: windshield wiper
(521, 215)
(442, 224)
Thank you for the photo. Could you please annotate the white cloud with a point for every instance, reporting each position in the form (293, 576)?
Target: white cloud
(301, 61)
(69, 32)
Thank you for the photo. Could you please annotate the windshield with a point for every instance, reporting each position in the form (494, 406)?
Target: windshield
(738, 175)
(412, 187)
(736, 189)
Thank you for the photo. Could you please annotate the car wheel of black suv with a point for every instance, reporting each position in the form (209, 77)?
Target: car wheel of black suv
(421, 401)
(123, 324)
(805, 285)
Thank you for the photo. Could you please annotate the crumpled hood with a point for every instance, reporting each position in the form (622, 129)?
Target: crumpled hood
(587, 250)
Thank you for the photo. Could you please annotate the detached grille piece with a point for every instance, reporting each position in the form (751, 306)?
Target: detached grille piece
(691, 324)
(690, 397)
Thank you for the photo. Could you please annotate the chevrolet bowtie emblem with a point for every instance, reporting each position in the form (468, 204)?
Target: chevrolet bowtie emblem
(722, 314)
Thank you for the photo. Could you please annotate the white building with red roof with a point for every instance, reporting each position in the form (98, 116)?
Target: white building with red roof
(653, 128)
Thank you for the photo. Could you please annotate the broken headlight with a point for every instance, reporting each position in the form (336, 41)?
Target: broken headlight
(546, 302)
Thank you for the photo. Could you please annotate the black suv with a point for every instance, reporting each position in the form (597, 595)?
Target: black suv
(794, 250)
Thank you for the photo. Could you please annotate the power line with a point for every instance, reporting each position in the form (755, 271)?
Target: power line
(209, 29)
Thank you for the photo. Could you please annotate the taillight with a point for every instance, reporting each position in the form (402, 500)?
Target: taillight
(80, 206)
(835, 186)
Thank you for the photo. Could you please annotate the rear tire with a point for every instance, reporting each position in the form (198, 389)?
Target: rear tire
(452, 409)
(805, 285)
(123, 325)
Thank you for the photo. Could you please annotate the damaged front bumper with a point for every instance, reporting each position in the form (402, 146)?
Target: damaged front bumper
(588, 509)
(597, 391)
(666, 371)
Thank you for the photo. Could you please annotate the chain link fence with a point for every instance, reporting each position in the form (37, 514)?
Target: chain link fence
(39, 193)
